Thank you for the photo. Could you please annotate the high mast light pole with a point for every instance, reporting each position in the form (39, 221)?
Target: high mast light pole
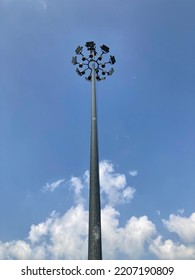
(93, 68)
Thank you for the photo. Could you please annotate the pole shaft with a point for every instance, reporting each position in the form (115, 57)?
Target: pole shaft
(94, 240)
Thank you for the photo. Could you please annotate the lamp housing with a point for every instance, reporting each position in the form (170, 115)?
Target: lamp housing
(74, 60)
(79, 50)
(90, 45)
(105, 49)
(112, 59)
(111, 72)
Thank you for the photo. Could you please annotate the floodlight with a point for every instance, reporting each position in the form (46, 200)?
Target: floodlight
(112, 59)
(103, 73)
(104, 48)
(90, 44)
(111, 72)
(99, 58)
(83, 58)
(83, 72)
(78, 72)
(88, 78)
(103, 65)
(80, 65)
(74, 60)
(98, 78)
(79, 50)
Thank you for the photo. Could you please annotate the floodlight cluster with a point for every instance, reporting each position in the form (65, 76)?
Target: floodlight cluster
(85, 64)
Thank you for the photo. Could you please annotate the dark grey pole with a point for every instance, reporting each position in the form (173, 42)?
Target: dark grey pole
(94, 240)
(97, 69)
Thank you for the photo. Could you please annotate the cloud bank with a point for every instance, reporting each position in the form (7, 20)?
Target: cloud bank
(65, 236)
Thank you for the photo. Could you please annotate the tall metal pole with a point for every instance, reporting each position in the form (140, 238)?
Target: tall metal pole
(94, 240)
(96, 68)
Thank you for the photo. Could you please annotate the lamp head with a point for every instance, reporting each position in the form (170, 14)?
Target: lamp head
(112, 59)
(90, 45)
(79, 50)
(98, 78)
(88, 78)
(74, 60)
(111, 72)
(105, 49)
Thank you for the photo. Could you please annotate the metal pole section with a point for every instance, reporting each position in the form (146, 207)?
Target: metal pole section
(94, 238)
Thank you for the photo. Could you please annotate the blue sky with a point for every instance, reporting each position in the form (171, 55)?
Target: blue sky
(146, 128)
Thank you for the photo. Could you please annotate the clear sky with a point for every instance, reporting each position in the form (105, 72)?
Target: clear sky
(146, 129)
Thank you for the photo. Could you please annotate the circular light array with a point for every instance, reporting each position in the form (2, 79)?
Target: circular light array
(85, 66)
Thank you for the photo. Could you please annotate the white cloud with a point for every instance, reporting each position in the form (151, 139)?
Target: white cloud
(52, 186)
(114, 185)
(15, 250)
(184, 248)
(182, 226)
(136, 233)
(41, 230)
(77, 186)
(114, 188)
(59, 237)
(129, 240)
(133, 173)
(66, 237)
(170, 250)
(62, 237)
